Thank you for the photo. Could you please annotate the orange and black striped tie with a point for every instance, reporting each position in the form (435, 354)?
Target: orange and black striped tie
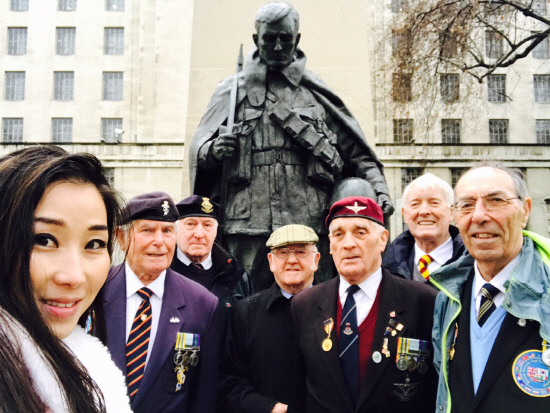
(423, 266)
(138, 342)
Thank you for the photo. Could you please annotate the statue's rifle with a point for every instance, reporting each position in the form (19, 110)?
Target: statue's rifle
(229, 129)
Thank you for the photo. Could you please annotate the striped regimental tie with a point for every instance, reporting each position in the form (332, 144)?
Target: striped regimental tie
(423, 263)
(138, 342)
(348, 345)
(487, 305)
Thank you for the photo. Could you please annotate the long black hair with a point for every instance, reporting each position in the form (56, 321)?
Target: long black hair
(24, 177)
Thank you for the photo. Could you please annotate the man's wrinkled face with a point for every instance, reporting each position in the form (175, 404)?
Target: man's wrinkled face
(196, 236)
(356, 245)
(427, 214)
(292, 272)
(492, 237)
(277, 43)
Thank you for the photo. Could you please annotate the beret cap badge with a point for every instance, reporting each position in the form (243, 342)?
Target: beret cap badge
(207, 206)
(166, 207)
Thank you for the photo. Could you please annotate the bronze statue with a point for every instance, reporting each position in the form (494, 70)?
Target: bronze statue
(292, 141)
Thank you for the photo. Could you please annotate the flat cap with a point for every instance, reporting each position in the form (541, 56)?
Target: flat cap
(156, 206)
(197, 206)
(355, 207)
(291, 234)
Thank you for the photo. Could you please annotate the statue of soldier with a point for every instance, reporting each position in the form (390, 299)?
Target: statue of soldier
(292, 142)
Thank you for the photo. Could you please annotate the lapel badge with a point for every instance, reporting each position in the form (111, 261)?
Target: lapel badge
(165, 208)
(174, 320)
(207, 206)
(392, 314)
(407, 389)
(376, 357)
(399, 327)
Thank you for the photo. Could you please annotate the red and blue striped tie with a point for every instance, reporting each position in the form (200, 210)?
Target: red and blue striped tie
(138, 342)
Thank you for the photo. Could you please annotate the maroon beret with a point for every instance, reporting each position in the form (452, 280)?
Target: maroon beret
(356, 207)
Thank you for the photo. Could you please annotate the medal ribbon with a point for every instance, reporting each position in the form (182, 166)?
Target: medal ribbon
(187, 341)
(329, 324)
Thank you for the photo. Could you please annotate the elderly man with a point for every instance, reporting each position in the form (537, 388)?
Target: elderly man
(201, 259)
(162, 328)
(364, 336)
(256, 372)
(492, 321)
(431, 241)
(294, 140)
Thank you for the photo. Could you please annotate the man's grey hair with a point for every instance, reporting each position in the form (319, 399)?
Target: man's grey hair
(517, 177)
(275, 11)
(430, 181)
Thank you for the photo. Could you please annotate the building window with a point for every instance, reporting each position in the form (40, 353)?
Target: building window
(62, 130)
(402, 87)
(498, 131)
(66, 5)
(114, 5)
(448, 44)
(114, 40)
(403, 130)
(450, 130)
(110, 176)
(450, 91)
(399, 6)
(15, 86)
(63, 86)
(66, 37)
(540, 7)
(408, 175)
(19, 5)
(543, 130)
(456, 173)
(12, 130)
(17, 40)
(494, 44)
(401, 42)
(111, 130)
(496, 88)
(541, 51)
(542, 88)
(112, 85)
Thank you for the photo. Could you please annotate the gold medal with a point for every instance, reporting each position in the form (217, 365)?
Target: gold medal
(327, 344)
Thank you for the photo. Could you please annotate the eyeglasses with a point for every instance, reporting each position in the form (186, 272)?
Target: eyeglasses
(284, 253)
(491, 203)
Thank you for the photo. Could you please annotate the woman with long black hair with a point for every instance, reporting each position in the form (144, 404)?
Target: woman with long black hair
(57, 220)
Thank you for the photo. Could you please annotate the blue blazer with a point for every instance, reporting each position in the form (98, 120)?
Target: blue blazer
(196, 309)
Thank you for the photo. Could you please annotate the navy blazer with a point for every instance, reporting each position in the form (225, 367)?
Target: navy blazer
(196, 309)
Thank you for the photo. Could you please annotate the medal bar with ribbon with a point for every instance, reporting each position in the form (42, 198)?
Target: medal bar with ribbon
(327, 342)
(186, 343)
(412, 353)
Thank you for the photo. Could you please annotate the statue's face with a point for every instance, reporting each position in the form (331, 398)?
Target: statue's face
(277, 43)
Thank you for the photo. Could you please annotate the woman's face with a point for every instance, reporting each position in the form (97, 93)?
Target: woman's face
(69, 261)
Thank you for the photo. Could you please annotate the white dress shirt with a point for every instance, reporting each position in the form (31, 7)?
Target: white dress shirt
(206, 264)
(133, 301)
(364, 297)
(497, 281)
(440, 255)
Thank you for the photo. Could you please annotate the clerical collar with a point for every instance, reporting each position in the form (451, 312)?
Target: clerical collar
(206, 264)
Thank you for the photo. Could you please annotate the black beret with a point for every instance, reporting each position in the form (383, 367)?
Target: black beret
(197, 206)
(156, 206)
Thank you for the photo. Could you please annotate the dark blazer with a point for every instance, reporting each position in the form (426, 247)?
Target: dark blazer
(196, 309)
(384, 386)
